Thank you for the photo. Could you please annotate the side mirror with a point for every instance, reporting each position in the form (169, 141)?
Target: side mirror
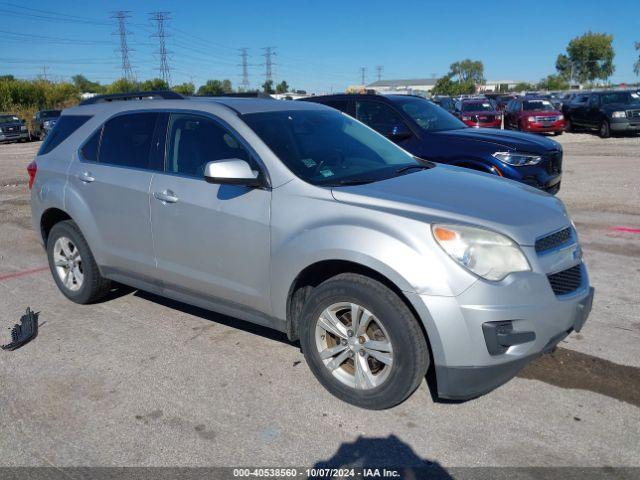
(232, 171)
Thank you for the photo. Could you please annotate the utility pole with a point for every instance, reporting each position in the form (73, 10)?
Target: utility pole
(160, 18)
(244, 55)
(44, 73)
(269, 52)
(363, 71)
(121, 16)
(379, 69)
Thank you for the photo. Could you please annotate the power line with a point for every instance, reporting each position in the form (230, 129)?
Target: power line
(269, 52)
(160, 18)
(121, 17)
(379, 69)
(244, 84)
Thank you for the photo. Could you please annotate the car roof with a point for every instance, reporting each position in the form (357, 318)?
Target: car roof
(237, 105)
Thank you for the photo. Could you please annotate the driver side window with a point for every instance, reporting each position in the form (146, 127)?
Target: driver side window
(382, 118)
(196, 140)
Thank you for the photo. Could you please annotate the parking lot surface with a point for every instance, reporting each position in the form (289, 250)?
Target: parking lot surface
(141, 380)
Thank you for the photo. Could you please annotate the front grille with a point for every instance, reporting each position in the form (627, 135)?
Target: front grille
(554, 163)
(554, 240)
(546, 119)
(12, 129)
(634, 114)
(566, 281)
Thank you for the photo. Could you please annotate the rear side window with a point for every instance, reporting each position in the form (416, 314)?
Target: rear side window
(90, 149)
(64, 127)
(127, 139)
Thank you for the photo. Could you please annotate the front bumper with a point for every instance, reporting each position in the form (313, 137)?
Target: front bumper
(624, 125)
(464, 366)
(536, 127)
(10, 137)
(495, 124)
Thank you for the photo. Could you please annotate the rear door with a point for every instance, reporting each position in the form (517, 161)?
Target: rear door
(112, 176)
(592, 111)
(212, 241)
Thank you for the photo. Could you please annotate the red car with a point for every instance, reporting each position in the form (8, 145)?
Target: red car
(479, 113)
(535, 115)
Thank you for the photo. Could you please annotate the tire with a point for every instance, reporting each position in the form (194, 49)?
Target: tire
(605, 130)
(85, 284)
(568, 125)
(391, 323)
(557, 134)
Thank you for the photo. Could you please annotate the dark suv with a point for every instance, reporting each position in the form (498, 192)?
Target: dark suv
(608, 112)
(429, 132)
(42, 123)
(12, 128)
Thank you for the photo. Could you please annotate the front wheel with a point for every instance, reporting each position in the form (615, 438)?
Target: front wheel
(605, 130)
(362, 342)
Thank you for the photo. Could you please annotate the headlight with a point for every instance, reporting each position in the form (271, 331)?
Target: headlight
(46, 124)
(560, 117)
(517, 159)
(619, 115)
(1, 130)
(488, 254)
(23, 128)
(531, 119)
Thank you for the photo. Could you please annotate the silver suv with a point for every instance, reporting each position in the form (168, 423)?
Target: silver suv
(295, 216)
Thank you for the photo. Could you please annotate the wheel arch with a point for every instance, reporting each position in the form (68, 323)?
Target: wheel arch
(49, 218)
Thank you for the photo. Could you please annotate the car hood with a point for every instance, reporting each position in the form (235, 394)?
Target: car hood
(621, 106)
(446, 194)
(524, 142)
(11, 124)
(540, 113)
(480, 112)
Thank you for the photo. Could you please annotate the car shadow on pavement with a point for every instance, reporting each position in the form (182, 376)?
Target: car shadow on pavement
(253, 328)
(389, 453)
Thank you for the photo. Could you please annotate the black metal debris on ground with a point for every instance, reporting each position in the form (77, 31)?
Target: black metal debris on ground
(23, 332)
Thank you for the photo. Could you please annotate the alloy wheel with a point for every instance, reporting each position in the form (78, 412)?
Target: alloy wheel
(68, 264)
(354, 345)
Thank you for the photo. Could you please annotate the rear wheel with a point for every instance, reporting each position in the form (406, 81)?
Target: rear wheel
(604, 131)
(72, 264)
(362, 342)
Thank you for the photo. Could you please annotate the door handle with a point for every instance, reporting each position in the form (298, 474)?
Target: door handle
(86, 177)
(166, 196)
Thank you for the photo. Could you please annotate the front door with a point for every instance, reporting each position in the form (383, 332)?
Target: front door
(212, 241)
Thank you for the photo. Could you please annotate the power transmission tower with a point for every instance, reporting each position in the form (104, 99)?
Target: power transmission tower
(244, 84)
(363, 71)
(160, 18)
(121, 17)
(379, 69)
(269, 63)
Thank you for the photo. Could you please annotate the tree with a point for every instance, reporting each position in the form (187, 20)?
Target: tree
(588, 58)
(636, 66)
(85, 85)
(447, 86)
(523, 87)
(215, 87)
(186, 88)
(467, 70)
(553, 82)
(282, 87)
(153, 85)
(267, 87)
(123, 85)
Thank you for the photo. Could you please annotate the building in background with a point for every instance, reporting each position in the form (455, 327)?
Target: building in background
(416, 86)
(500, 85)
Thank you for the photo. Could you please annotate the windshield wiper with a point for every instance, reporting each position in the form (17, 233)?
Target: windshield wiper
(354, 181)
(411, 167)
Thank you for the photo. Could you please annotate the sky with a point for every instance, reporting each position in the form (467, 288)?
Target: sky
(320, 46)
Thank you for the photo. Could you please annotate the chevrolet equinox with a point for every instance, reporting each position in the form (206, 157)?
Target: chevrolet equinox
(298, 217)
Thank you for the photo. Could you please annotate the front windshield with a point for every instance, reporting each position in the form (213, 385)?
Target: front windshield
(429, 116)
(537, 105)
(477, 106)
(621, 97)
(8, 119)
(328, 147)
(50, 114)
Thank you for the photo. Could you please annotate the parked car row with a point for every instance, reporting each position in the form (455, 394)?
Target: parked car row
(298, 217)
(14, 129)
(429, 132)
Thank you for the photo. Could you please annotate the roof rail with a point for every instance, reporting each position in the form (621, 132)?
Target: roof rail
(152, 95)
